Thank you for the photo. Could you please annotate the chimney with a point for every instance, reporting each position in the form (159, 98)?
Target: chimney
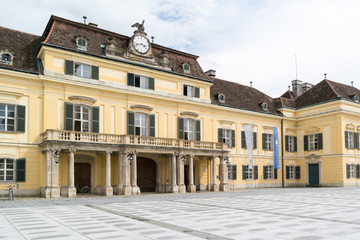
(306, 86)
(93, 24)
(211, 73)
(296, 88)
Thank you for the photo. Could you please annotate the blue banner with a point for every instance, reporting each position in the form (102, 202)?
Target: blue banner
(276, 149)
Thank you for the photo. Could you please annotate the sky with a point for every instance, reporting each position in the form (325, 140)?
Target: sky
(266, 42)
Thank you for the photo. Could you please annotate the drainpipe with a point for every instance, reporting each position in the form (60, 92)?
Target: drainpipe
(282, 153)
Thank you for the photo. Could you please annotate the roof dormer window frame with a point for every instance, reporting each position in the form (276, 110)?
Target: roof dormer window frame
(81, 42)
(186, 68)
(6, 57)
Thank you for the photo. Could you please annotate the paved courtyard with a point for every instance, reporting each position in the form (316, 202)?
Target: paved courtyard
(297, 213)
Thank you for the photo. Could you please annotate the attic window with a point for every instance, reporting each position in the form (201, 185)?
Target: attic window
(355, 98)
(221, 97)
(186, 68)
(264, 106)
(6, 58)
(81, 43)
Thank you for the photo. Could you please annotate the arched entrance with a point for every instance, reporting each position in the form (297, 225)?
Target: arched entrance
(82, 177)
(146, 174)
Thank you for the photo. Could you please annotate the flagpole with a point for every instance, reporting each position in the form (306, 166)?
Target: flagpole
(273, 175)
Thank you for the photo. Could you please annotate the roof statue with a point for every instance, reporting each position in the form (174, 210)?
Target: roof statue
(140, 27)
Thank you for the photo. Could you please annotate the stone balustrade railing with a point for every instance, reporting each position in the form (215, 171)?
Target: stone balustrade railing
(88, 137)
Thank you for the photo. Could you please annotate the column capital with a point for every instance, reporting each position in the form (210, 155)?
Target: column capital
(108, 152)
(72, 149)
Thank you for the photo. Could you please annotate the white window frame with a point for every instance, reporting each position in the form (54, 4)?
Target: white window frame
(141, 124)
(269, 171)
(351, 139)
(249, 173)
(189, 129)
(79, 70)
(6, 170)
(352, 169)
(7, 118)
(313, 142)
(226, 136)
(292, 172)
(143, 81)
(190, 90)
(82, 119)
(81, 47)
(268, 141)
(291, 143)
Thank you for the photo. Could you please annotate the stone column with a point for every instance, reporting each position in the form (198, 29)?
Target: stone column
(71, 191)
(191, 187)
(108, 188)
(135, 188)
(180, 174)
(47, 189)
(173, 186)
(125, 174)
(54, 190)
(159, 188)
(223, 175)
(214, 186)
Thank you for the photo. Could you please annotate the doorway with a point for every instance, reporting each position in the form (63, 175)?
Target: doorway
(314, 175)
(146, 174)
(83, 177)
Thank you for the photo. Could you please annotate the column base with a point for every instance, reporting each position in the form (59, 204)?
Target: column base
(108, 191)
(126, 190)
(172, 189)
(52, 192)
(135, 190)
(118, 189)
(214, 187)
(223, 187)
(71, 192)
(182, 188)
(191, 188)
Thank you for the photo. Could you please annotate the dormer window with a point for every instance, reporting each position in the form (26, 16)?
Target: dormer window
(81, 43)
(221, 97)
(6, 58)
(264, 106)
(186, 68)
(355, 98)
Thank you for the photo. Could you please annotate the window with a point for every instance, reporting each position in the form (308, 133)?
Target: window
(221, 97)
(351, 139)
(6, 169)
(82, 118)
(186, 68)
(352, 170)
(12, 118)
(141, 124)
(232, 174)
(291, 143)
(6, 58)
(267, 141)
(313, 142)
(189, 129)
(226, 136)
(243, 140)
(81, 70)
(292, 172)
(81, 43)
(270, 172)
(248, 173)
(191, 91)
(141, 81)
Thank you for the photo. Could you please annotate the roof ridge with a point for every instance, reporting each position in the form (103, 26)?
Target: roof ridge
(20, 31)
(332, 87)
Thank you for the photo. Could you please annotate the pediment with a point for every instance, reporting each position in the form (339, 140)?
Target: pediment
(141, 107)
(82, 98)
(312, 129)
(351, 126)
(193, 114)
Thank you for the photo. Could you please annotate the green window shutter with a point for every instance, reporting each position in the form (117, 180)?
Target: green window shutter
(152, 125)
(357, 140)
(95, 72)
(346, 139)
(69, 67)
(297, 172)
(254, 140)
(286, 143)
(234, 173)
(243, 140)
(20, 118)
(131, 123)
(358, 171)
(130, 79)
(320, 142)
(265, 172)
(197, 92)
(184, 90)
(295, 144)
(255, 172)
(220, 135)
(347, 171)
(95, 119)
(244, 167)
(180, 128)
(263, 141)
(275, 173)
(69, 116)
(287, 172)
(306, 143)
(20, 170)
(198, 130)
(232, 138)
(151, 83)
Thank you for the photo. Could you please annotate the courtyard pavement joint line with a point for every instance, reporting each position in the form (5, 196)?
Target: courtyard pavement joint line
(13, 226)
(162, 224)
(267, 212)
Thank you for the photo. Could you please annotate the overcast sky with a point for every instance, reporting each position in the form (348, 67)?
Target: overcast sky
(243, 40)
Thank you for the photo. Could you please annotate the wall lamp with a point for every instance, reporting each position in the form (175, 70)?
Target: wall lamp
(226, 160)
(183, 158)
(130, 158)
(56, 157)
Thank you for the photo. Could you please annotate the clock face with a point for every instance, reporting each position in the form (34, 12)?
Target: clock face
(141, 44)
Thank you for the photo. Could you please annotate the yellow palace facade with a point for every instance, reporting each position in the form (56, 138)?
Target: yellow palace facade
(86, 110)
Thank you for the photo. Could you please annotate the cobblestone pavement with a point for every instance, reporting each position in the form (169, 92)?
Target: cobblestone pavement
(291, 213)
